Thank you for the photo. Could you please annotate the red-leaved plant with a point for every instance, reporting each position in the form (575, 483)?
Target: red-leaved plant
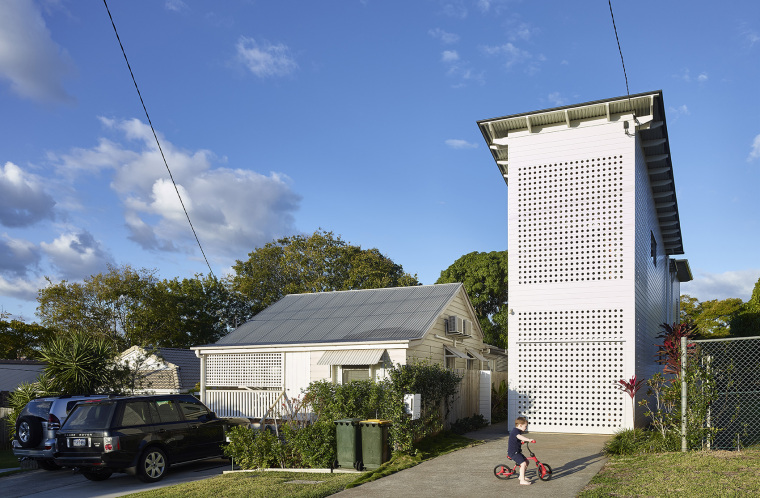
(631, 387)
(669, 354)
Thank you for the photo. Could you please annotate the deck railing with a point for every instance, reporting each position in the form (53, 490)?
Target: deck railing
(234, 403)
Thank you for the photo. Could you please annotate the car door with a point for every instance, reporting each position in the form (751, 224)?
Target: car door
(206, 433)
(172, 430)
(133, 425)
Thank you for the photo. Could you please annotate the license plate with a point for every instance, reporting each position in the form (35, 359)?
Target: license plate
(79, 442)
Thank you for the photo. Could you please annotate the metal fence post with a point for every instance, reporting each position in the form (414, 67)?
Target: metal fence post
(683, 394)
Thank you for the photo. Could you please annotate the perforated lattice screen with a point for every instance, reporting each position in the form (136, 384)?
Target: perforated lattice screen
(570, 325)
(561, 385)
(570, 221)
(258, 370)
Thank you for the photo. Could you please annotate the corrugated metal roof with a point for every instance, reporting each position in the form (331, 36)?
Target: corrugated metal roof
(399, 313)
(352, 357)
(13, 373)
(456, 352)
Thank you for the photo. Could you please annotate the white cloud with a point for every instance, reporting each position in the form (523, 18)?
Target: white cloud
(449, 56)
(175, 5)
(264, 59)
(21, 288)
(676, 112)
(513, 55)
(454, 8)
(702, 77)
(755, 152)
(456, 143)
(707, 286)
(77, 255)
(17, 256)
(233, 210)
(23, 202)
(445, 37)
(30, 60)
(556, 99)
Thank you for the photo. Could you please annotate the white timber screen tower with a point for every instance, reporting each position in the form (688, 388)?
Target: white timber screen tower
(592, 224)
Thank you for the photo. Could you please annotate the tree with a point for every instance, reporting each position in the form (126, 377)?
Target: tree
(20, 340)
(316, 263)
(484, 275)
(111, 304)
(80, 363)
(712, 318)
(746, 321)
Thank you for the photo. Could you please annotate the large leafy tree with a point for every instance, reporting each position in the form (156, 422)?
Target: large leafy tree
(21, 340)
(484, 275)
(711, 318)
(746, 321)
(316, 263)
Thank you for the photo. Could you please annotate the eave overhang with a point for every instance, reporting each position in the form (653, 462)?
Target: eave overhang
(649, 126)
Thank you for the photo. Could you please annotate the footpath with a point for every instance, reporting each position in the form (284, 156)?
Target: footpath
(574, 459)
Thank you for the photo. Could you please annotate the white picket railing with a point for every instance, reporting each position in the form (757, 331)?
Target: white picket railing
(249, 404)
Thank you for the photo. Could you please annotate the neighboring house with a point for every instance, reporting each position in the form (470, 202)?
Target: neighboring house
(344, 336)
(16, 372)
(164, 370)
(592, 225)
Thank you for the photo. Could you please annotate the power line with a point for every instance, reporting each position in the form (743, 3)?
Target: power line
(156, 138)
(619, 50)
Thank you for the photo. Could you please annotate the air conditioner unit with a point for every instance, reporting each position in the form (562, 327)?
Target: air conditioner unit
(455, 325)
(467, 328)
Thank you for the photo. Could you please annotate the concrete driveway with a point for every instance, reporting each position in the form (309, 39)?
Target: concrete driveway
(574, 459)
(65, 483)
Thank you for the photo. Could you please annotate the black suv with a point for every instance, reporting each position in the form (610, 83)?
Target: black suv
(140, 435)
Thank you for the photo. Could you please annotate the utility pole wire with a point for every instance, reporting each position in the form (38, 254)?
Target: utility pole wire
(176, 189)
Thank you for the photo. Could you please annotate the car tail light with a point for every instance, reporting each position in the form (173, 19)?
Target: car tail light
(53, 422)
(111, 443)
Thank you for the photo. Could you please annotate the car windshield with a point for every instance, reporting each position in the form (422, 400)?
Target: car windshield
(89, 417)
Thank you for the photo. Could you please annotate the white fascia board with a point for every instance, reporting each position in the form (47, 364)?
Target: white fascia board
(290, 348)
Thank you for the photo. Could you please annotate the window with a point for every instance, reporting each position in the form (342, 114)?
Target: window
(90, 417)
(167, 411)
(653, 244)
(192, 411)
(355, 372)
(135, 413)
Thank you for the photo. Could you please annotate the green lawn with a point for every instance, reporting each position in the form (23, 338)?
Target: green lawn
(7, 460)
(306, 485)
(694, 474)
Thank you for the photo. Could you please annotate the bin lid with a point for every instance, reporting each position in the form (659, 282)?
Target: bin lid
(352, 421)
(376, 421)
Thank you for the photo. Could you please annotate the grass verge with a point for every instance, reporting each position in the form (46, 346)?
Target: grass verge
(714, 473)
(307, 485)
(8, 459)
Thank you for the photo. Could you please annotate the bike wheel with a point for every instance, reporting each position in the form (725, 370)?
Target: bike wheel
(501, 471)
(544, 472)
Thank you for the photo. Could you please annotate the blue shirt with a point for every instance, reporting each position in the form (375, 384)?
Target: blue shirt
(514, 445)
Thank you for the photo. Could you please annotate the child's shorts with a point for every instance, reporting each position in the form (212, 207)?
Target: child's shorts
(518, 458)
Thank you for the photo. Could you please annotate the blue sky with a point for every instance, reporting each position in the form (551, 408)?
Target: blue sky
(358, 117)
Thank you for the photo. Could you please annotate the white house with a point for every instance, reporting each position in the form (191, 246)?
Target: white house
(343, 336)
(592, 225)
(164, 370)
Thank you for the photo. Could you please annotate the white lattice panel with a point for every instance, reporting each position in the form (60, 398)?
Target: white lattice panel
(570, 220)
(570, 387)
(570, 325)
(255, 370)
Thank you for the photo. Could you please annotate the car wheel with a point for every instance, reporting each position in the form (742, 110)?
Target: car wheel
(48, 465)
(29, 431)
(152, 465)
(97, 475)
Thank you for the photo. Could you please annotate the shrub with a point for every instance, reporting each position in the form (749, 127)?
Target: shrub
(311, 446)
(634, 441)
(254, 449)
(469, 424)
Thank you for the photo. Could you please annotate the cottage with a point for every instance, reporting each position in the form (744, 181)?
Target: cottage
(344, 336)
(163, 370)
(593, 224)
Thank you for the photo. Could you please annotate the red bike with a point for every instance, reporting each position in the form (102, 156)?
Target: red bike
(503, 471)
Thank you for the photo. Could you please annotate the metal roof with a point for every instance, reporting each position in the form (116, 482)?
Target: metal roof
(15, 372)
(398, 313)
(652, 130)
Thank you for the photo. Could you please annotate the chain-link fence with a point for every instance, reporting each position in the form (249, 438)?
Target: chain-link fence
(734, 367)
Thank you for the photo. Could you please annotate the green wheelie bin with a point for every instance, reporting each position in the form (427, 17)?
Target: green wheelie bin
(375, 448)
(349, 444)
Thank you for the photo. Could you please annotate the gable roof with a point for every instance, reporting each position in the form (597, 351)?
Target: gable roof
(398, 313)
(15, 372)
(169, 368)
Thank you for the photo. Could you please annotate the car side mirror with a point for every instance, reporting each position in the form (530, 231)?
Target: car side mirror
(211, 415)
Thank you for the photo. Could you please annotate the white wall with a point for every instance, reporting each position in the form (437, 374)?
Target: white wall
(571, 268)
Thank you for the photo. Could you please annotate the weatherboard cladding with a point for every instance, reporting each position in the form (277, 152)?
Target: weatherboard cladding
(400, 313)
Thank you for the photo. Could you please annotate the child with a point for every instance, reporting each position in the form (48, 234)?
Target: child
(514, 450)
